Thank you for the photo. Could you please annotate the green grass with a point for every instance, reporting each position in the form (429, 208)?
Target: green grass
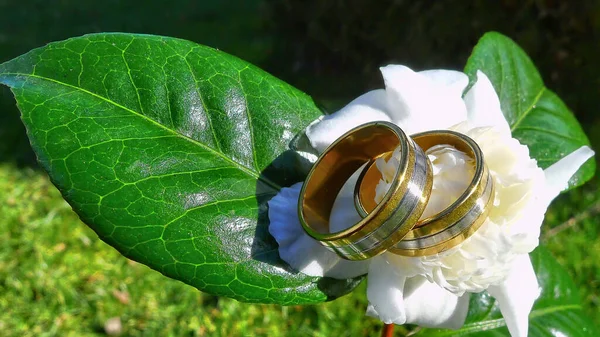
(58, 279)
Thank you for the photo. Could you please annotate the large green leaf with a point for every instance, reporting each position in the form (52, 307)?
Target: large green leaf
(557, 312)
(169, 150)
(536, 115)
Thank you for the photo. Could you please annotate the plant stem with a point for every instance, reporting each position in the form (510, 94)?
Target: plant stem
(388, 330)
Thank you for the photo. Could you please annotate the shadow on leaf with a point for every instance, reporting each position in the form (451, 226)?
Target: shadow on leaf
(285, 170)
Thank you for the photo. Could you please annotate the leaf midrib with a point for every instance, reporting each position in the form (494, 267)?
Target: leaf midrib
(528, 110)
(195, 142)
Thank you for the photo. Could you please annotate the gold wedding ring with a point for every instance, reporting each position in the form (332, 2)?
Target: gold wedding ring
(387, 223)
(454, 224)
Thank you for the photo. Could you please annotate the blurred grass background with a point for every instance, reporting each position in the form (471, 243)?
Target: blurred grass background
(57, 278)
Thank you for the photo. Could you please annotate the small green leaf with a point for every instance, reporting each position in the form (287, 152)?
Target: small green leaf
(537, 117)
(557, 312)
(169, 150)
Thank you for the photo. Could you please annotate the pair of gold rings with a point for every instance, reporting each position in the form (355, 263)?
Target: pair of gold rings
(394, 223)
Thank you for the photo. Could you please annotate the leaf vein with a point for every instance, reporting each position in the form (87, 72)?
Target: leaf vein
(528, 110)
(130, 77)
(249, 117)
(204, 106)
(547, 131)
(195, 142)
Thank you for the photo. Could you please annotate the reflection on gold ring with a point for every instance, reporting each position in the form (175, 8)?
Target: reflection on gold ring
(454, 224)
(388, 222)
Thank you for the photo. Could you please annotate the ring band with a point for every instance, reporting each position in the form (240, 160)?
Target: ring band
(389, 222)
(457, 222)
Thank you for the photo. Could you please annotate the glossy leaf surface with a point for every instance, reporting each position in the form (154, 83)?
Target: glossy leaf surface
(169, 150)
(538, 118)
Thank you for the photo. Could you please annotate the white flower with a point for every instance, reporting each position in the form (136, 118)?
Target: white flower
(433, 291)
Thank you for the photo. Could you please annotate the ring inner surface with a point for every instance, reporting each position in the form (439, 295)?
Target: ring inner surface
(332, 170)
(365, 186)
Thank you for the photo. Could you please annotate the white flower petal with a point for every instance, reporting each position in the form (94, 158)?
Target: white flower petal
(483, 105)
(343, 213)
(366, 108)
(429, 290)
(398, 296)
(417, 103)
(299, 250)
(456, 81)
(516, 295)
(344, 269)
(559, 173)
(316, 263)
(385, 285)
(429, 305)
